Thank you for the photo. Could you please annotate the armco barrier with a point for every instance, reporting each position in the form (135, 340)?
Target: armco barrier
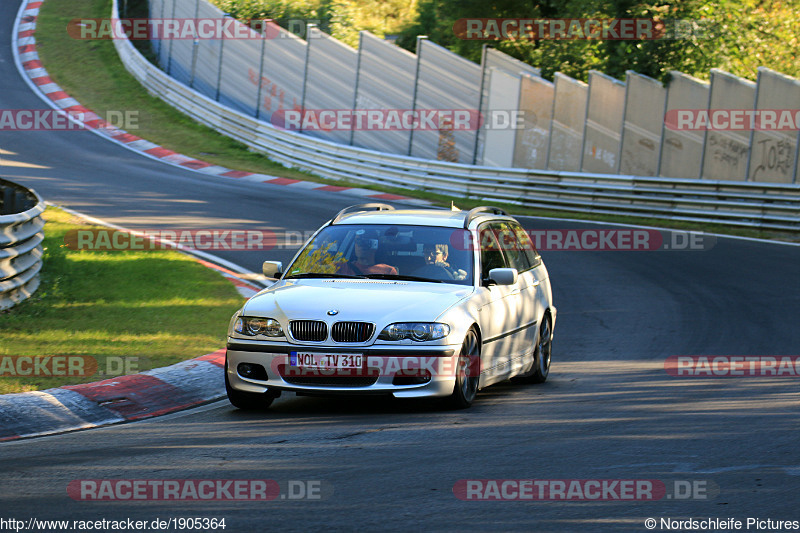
(745, 204)
(21, 238)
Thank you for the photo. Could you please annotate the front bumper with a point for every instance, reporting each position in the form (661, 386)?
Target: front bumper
(401, 371)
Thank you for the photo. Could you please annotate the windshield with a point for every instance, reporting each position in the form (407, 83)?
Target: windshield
(417, 253)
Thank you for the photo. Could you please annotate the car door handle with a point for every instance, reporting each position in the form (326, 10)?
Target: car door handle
(535, 283)
(515, 291)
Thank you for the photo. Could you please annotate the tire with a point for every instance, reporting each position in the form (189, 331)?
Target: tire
(248, 401)
(543, 352)
(466, 386)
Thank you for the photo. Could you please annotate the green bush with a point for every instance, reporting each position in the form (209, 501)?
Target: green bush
(744, 34)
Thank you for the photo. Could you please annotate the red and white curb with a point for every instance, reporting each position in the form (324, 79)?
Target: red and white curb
(248, 290)
(111, 401)
(27, 59)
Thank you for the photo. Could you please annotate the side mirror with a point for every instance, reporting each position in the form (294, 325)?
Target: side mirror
(272, 269)
(503, 276)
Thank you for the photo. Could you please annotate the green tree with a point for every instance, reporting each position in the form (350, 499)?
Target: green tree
(735, 35)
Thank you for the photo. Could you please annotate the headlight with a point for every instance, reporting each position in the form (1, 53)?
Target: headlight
(258, 326)
(417, 331)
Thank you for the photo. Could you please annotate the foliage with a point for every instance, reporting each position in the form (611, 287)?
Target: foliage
(742, 35)
(341, 18)
(322, 260)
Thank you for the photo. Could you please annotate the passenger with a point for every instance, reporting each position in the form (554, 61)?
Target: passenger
(366, 246)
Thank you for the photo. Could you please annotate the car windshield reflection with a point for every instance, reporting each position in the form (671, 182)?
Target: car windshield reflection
(409, 253)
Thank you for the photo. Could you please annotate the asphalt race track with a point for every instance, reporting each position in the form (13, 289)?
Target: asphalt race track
(610, 411)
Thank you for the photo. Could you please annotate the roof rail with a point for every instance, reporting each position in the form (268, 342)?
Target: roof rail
(362, 207)
(477, 211)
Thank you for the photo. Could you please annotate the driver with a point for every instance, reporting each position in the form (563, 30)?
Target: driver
(437, 255)
(366, 245)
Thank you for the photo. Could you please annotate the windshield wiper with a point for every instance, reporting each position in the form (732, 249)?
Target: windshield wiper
(307, 275)
(402, 277)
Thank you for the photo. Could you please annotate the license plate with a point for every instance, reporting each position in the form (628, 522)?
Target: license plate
(322, 361)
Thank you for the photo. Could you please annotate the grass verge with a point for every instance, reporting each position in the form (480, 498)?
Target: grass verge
(92, 72)
(124, 311)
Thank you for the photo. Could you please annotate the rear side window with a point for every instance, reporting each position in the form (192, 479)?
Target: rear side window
(527, 246)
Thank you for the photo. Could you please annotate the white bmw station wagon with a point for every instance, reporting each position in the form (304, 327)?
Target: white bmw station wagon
(410, 303)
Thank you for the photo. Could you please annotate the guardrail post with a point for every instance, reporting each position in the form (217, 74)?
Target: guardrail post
(261, 66)
(195, 45)
(480, 104)
(309, 27)
(796, 156)
(705, 131)
(160, 39)
(550, 128)
(618, 164)
(752, 131)
(221, 53)
(416, 86)
(585, 120)
(169, 56)
(663, 128)
(358, 78)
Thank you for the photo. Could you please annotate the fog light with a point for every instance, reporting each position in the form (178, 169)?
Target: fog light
(412, 378)
(252, 371)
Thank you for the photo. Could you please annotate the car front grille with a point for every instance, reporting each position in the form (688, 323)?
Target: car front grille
(309, 330)
(352, 331)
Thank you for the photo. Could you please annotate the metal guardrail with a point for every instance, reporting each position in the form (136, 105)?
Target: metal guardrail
(743, 204)
(21, 239)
